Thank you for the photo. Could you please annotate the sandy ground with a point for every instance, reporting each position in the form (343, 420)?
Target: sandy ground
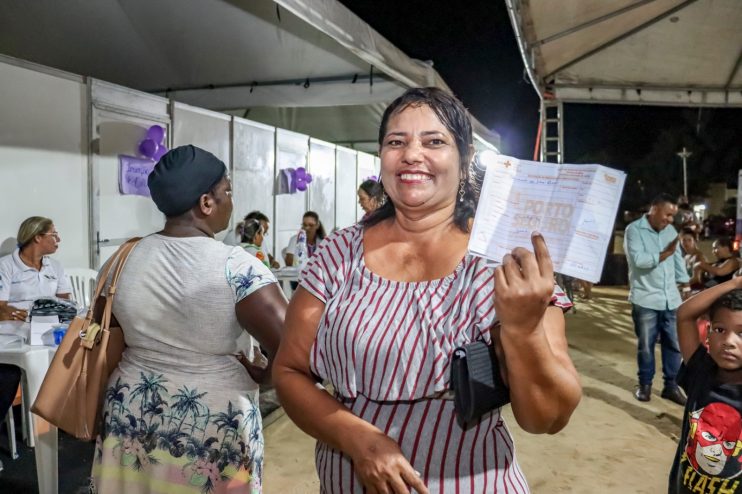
(613, 444)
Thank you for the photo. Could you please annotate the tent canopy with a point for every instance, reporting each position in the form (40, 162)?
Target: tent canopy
(664, 52)
(227, 55)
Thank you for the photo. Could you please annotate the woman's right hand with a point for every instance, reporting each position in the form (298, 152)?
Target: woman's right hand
(382, 468)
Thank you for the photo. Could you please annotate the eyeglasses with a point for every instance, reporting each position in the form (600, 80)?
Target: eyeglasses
(55, 234)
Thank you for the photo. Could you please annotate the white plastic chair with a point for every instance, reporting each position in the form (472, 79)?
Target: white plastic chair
(83, 283)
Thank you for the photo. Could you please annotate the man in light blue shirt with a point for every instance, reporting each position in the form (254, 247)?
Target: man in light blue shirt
(656, 268)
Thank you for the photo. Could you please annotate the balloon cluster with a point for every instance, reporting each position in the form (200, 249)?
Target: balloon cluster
(153, 145)
(300, 178)
(372, 177)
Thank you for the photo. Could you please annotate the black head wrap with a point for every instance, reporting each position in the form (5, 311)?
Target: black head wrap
(182, 176)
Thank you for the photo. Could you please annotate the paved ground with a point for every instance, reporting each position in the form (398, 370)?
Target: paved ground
(613, 445)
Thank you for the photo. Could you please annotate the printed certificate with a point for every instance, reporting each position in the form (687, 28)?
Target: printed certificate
(572, 206)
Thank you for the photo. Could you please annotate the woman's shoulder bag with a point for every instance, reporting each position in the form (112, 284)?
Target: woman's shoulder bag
(73, 389)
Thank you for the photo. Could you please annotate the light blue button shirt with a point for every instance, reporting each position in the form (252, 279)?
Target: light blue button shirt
(653, 284)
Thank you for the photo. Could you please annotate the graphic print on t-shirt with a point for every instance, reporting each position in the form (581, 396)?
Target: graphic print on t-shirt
(711, 461)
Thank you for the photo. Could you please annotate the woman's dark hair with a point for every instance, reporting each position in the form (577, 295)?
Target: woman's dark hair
(250, 228)
(725, 242)
(256, 215)
(689, 231)
(373, 189)
(452, 114)
(321, 234)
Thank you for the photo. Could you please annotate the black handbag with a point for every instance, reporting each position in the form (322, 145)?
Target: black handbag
(476, 382)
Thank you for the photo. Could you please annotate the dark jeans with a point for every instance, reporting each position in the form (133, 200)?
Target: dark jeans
(648, 324)
(10, 376)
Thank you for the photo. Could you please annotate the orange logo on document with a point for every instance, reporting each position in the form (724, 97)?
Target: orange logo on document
(609, 179)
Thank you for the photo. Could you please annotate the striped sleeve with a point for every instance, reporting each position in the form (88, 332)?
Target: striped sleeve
(560, 299)
(320, 276)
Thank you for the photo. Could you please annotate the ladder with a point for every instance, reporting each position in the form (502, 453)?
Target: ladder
(552, 131)
(552, 151)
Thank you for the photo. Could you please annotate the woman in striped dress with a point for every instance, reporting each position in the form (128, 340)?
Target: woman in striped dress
(383, 304)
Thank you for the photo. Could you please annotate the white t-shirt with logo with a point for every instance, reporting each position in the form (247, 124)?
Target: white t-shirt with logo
(20, 284)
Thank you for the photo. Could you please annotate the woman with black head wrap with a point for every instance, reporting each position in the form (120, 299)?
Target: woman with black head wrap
(181, 411)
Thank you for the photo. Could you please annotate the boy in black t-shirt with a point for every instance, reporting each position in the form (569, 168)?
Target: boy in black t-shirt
(709, 455)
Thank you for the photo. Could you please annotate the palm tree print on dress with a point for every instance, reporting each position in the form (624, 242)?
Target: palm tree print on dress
(144, 417)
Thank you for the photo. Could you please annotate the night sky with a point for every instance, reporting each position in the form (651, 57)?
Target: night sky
(473, 47)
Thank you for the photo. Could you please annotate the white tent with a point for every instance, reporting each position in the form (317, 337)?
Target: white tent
(664, 52)
(655, 52)
(313, 67)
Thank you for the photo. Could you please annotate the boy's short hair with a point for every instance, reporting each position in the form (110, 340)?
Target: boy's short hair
(731, 301)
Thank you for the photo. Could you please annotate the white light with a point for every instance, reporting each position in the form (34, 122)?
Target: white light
(487, 158)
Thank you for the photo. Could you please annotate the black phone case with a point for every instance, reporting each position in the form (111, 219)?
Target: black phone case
(476, 382)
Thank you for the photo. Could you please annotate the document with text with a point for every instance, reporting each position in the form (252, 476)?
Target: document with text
(572, 206)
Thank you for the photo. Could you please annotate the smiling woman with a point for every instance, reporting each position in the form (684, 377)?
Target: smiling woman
(444, 132)
(383, 304)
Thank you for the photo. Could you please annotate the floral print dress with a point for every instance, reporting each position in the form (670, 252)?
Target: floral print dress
(181, 413)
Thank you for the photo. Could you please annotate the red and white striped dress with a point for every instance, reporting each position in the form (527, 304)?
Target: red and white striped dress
(386, 346)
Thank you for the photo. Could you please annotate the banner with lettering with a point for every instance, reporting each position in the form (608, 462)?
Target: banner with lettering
(133, 173)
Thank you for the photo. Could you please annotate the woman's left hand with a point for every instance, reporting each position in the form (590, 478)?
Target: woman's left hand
(524, 284)
(258, 369)
(10, 313)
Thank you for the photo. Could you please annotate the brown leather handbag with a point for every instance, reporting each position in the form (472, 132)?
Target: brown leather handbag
(74, 386)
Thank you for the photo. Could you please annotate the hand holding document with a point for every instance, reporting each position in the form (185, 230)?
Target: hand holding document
(572, 206)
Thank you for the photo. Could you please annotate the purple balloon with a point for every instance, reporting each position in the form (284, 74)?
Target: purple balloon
(300, 173)
(147, 148)
(156, 133)
(308, 178)
(161, 150)
(301, 185)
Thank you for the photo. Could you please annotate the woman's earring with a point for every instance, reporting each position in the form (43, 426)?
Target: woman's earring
(461, 191)
(383, 199)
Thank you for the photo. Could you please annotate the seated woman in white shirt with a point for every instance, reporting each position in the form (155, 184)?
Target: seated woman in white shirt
(28, 273)
(25, 275)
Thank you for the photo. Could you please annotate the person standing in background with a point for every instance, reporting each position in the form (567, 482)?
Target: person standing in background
(370, 196)
(706, 275)
(265, 246)
(656, 268)
(311, 224)
(691, 253)
(252, 240)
